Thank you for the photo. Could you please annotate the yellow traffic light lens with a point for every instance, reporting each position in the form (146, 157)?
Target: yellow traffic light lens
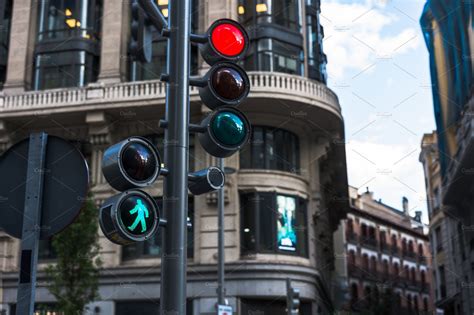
(228, 83)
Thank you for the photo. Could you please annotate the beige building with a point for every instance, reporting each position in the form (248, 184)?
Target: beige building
(445, 234)
(69, 73)
(384, 256)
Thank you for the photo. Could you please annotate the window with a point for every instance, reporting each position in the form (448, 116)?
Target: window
(272, 149)
(396, 270)
(373, 264)
(152, 247)
(365, 262)
(276, 44)
(385, 267)
(284, 13)
(270, 54)
(354, 294)
(352, 259)
(317, 60)
(5, 23)
(143, 71)
(67, 50)
(439, 240)
(272, 222)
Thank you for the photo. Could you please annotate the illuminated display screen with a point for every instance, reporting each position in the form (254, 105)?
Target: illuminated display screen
(286, 233)
(136, 215)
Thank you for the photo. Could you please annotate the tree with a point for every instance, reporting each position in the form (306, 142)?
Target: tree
(74, 277)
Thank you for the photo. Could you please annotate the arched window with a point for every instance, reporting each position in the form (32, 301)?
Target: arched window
(350, 226)
(354, 293)
(365, 262)
(373, 264)
(352, 258)
(406, 272)
(420, 250)
(368, 295)
(385, 267)
(413, 274)
(396, 270)
(415, 304)
(409, 302)
(363, 230)
(410, 247)
(425, 304)
(423, 277)
(404, 246)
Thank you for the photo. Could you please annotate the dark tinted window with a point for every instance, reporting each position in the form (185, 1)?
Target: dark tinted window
(67, 51)
(273, 149)
(5, 24)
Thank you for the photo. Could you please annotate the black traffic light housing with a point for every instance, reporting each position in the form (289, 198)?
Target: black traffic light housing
(131, 163)
(225, 84)
(213, 51)
(223, 140)
(116, 217)
(206, 180)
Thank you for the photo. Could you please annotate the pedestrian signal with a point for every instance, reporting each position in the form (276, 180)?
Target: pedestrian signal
(131, 216)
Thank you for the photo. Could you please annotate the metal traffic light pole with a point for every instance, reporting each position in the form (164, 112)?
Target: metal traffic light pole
(220, 241)
(175, 197)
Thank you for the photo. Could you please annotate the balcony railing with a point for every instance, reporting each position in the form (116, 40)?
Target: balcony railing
(272, 84)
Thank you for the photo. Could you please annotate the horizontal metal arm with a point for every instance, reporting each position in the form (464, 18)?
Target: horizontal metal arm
(154, 14)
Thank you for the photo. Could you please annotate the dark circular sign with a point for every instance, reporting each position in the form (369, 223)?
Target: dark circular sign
(136, 215)
(66, 181)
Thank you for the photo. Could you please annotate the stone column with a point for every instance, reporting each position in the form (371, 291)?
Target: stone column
(115, 30)
(22, 41)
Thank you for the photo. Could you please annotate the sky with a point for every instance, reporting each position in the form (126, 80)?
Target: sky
(378, 66)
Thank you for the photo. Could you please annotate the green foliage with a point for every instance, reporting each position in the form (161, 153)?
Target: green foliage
(74, 277)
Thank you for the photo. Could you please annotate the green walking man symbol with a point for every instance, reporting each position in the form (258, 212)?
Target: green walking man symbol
(142, 212)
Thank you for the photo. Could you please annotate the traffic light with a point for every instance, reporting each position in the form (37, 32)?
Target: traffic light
(132, 215)
(141, 35)
(292, 299)
(225, 130)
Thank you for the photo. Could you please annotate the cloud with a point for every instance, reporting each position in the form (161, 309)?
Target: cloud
(356, 36)
(391, 167)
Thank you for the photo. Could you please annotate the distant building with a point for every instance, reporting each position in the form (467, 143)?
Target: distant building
(449, 34)
(445, 234)
(383, 254)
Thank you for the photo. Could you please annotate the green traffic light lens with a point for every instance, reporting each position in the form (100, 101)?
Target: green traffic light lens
(136, 215)
(139, 162)
(229, 128)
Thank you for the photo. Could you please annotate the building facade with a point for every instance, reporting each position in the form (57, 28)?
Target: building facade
(70, 74)
(383, 255)
(449, 34)
(445, 234)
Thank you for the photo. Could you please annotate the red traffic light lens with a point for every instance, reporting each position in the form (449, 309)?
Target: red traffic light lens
(228, 39)
(228, 83)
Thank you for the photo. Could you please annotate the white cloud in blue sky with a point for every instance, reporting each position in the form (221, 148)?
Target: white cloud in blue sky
(378, 66)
